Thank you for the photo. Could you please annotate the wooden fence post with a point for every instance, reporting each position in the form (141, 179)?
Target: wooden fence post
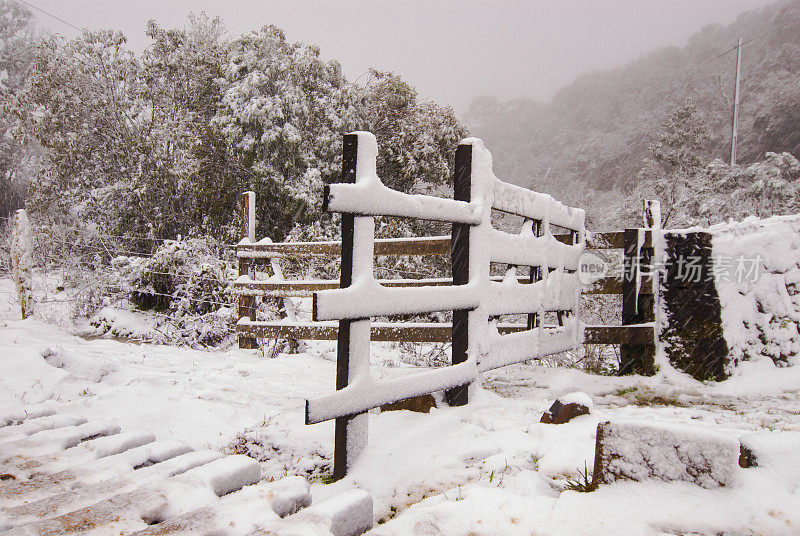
(639, 308)
(535, 274)
(247, 304)
(349, 431)
(459, 254)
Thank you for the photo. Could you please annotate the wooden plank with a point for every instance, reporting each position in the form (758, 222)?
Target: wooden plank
(434, 245)
(348, 426)
(534, 274)
(632, 334)
(427, 332)
(637, 307)
(305, 289)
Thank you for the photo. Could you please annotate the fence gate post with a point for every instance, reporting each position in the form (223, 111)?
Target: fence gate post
(350, 431)
(637, 307)
(459, 254)
(247, 304)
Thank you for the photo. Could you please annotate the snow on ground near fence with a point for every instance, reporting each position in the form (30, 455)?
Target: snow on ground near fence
(487, 468)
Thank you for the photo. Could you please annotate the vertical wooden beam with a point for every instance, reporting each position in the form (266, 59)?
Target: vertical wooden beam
(534, 275)
(347, 429)
(638, 308)
(247, 304)
(459, 253)
(651, 213)
(560, 315)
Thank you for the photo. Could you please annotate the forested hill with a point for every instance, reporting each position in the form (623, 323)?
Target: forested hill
(597, 130)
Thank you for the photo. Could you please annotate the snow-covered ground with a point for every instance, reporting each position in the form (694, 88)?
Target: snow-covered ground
(487, 468)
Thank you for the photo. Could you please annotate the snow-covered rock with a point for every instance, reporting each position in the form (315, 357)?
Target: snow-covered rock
(567, 407)
(638, 450)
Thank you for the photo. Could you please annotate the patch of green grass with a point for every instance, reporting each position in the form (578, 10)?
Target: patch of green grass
(626, 390)
(583, 483)
(658, 400)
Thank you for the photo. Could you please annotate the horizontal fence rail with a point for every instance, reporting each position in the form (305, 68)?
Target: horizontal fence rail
(438, 332)
(435, 245)
(305, 289)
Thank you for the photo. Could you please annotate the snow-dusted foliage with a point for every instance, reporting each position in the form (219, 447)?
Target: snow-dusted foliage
(162, 143)
(184, 287)
(184, 276)
(22, 262)
(285, 108)
(16, 56)
(765, 188)
(5, 245)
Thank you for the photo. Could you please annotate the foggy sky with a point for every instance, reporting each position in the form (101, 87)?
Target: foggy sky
(450, 50)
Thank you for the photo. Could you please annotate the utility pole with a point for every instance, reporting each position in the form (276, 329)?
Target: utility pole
(735, 132)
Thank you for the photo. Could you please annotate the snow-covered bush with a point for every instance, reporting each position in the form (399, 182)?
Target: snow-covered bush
(183, 277)
(22, 262)
(186, 283)
(762, 189)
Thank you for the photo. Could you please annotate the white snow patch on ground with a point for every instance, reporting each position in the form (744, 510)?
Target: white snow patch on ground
(487, 468)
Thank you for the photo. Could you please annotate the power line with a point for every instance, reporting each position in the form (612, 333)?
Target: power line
(51, 15)
(759, 36)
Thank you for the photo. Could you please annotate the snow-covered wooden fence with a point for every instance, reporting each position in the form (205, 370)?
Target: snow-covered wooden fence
(343, 310)
(474, 299)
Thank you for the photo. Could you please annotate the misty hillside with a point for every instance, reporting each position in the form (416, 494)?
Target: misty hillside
(597, 130)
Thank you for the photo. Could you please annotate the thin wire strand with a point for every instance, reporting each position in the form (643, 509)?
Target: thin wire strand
(759, 36)
(51, 15)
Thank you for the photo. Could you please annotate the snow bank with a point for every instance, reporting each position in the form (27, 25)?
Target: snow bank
(758, 281)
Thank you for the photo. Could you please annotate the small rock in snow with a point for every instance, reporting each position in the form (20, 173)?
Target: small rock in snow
(420, 404)
(567, 407)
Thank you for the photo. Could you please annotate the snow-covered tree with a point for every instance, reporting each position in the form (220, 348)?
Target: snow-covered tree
(284, 111)
(17, 46)
(417, 138)
(162, 144)
(81, 104)
(671, 174)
